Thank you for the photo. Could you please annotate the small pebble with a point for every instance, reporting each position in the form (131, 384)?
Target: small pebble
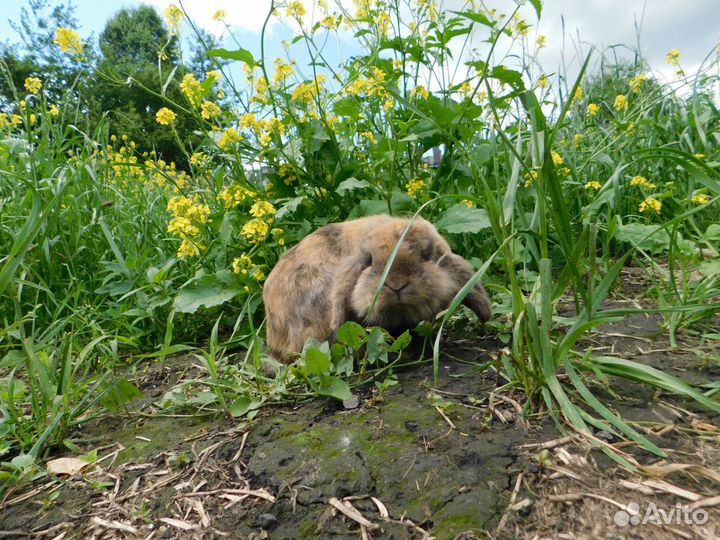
(266, 521)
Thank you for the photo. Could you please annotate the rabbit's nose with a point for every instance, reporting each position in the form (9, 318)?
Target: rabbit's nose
(398, 289)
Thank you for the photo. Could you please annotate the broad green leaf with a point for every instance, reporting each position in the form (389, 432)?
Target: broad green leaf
(651, 238)
(316, 362)
(206, 291)
(121, 392)
(351, 184)
(333, 387)
(351, 334)
(461, 219)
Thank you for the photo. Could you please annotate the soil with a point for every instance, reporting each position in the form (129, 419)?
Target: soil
(455, 460)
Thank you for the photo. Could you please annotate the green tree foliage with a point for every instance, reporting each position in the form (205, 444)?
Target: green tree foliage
(135, 77)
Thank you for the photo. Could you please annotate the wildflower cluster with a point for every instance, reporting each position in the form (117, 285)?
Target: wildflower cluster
(188, 215)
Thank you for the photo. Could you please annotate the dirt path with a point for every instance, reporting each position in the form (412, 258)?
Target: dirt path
(452, 461)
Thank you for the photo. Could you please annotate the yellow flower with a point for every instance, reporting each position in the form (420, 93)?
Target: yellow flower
(530, 178)
(192, 89)
(637, 82)
(174, 17)
(416, 188)
(631, 128)
(577, 140)
(556, 158)
(228, 138)
(219, 15)
(282, 72)
(420, 91)
(621, 103)
(700, 199)
(330, 22)
(262, 208)
(209, 110)
(579, 94)
(593, 184)
(699, 156)
(382, 22)
(242, 264)
(541, 41)
(651, 204)
(33, 85)
(187, 249)
(641, 181)
(165, 116)
(673, 57)
(255, 231)
(3, 120)
(369, 136)
(543, 82)
(593, 109)
(199, 159)
(468, 203)
(69, 41)
(235, 195)
(296, 9)
(54, 111)
(16, 120)
(182, 226)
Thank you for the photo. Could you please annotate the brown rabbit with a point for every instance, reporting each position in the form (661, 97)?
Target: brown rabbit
(332, 276)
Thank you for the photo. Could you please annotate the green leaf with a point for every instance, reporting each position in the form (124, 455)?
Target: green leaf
(651, 238)
(243, 405)
(461, 219)
(508, 76)
(351, 334)
(333, 387)
(351, 184)
(402, 341)
(208, 291)
(316, 362)
(241, 55)
(537, 4)
(289, 207)
(122, 392)
(475, 17)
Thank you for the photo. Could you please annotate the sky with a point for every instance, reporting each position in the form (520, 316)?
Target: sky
(571, 26)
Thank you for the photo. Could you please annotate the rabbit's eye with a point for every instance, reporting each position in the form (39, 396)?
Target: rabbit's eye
(368, 259)
(427, 252)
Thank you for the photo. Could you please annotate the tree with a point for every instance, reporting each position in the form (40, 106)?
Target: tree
(136, 76)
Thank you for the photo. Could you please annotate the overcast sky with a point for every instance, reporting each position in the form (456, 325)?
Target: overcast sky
(691, 26)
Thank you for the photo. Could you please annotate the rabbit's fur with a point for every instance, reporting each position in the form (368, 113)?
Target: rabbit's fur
(332, 276)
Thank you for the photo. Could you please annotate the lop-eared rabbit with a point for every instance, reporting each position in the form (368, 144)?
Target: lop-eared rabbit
(332, 276)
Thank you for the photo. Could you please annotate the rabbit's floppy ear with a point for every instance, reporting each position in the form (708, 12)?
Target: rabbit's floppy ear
(341, 309)
(461, 272)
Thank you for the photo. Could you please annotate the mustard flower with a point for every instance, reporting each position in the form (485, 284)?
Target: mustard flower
(416, 188)
(621, 103)
(700, 199)
(255, 231)
(165, 116)
(33, 85)
(69, 41)
(593, 184)
(209, 110)
(262, 209)
(673, 57)
(650, 204)
(641, 181)
(174, 17)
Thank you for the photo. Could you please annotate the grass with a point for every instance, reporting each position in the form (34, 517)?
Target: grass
(114, 259)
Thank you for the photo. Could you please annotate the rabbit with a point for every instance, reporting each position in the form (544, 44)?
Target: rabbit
(332, 276)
